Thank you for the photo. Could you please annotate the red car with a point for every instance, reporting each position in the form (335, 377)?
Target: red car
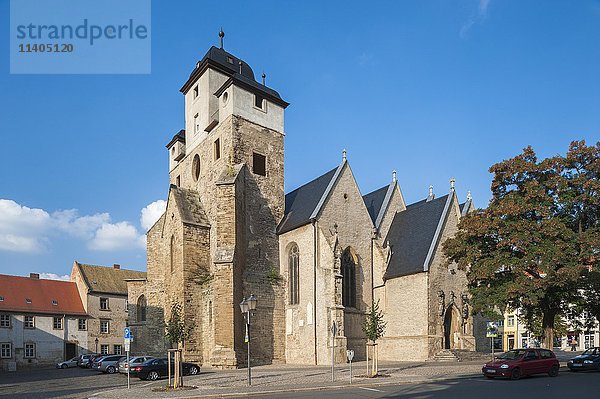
(521, 362)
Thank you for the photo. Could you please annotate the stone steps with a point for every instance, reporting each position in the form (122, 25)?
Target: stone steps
(445, 356)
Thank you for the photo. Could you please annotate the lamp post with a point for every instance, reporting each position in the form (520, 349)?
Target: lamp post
(247, 306)
(96, 341)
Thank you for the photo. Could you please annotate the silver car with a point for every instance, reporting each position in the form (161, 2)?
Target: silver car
(133, 361)
(68, 363)
(107, 364)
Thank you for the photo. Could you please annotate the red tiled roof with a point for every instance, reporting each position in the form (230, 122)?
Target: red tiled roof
(17, 291)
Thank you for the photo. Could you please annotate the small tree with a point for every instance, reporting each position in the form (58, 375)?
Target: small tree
(374, 328)
(177, 332)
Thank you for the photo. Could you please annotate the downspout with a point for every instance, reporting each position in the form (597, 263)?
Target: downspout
(373, 235)
(314, 224)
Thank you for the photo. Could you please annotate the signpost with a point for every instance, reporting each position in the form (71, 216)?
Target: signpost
(350, 355)
(491, 332)
(128, 338)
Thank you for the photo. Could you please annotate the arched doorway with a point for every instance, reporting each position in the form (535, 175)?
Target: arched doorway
(451, 326)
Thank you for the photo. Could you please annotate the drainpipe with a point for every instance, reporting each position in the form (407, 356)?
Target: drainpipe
(315, 255)
(373, 235)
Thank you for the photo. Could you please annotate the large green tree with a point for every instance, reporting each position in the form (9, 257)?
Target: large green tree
(534, 244)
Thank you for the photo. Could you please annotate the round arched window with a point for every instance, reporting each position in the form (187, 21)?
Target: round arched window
(196, 167)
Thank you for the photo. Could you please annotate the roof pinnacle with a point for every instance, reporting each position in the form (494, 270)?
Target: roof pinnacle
(393, 176)
(263, 78)
(452, 181)
(221, 36)
(344, 154)
(469, 197)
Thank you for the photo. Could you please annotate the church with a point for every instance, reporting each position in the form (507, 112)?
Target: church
(320, 254)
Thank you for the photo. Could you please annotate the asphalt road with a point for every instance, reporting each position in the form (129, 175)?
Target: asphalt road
(566, 385)
(57, 383)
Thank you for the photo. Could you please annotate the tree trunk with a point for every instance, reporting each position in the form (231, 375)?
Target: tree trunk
(548, 327)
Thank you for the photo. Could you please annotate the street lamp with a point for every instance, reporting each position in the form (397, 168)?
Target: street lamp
(247, 306)
(96, 341)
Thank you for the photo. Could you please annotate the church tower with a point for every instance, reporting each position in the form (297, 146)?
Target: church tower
(226, 174)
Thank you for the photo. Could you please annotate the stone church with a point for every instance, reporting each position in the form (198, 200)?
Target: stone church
(322, 253)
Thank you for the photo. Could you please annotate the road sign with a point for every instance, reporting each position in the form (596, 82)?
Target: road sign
(126, 346)
(350, 354)
(491, 329)
(127, 332)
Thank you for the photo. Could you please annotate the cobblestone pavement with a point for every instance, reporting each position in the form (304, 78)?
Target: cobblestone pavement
(283, 378)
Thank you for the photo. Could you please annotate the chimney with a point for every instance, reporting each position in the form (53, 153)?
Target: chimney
(34, 275)
(116, 266)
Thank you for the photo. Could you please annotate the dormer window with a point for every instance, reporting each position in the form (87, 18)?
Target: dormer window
(28, 300)
(1, 298)
(230, 60)
(196, 92)
(259, 102)
(54, 302)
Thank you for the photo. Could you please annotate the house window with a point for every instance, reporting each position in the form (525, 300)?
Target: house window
(118, 349)
(196, 167)
(29, 350)
(511, 321)
(196, 92)
(259, 164)
(29, 322)
(104, 349)
(5, 320)
(349, 279)
(28, 300)
(178, 181)
(1, 298)
(5, 350)
(57, 323)
(293, 270)
(196, 123)
(141, 308)
(104, 326)
(103, 303)
(259, 102)
(217, 149)
(54, 302)
(82, 324)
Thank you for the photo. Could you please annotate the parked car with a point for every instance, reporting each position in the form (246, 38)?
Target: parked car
(93, 358)
(517, 363)
(107, 364)
(133, 361)
(155, 368)
(68, 363)
(85, 359)
(588, 360)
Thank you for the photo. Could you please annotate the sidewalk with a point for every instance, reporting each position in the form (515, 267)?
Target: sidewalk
(286, 378)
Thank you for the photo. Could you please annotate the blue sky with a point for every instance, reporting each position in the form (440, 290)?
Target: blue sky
(432, 89)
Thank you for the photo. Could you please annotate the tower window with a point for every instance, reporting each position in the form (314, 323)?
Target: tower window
(196, 91)
(178, 181)
(141, 308)
(196, 123)
(196, 167)
(259, 102)
(217, 149)
(259, 164)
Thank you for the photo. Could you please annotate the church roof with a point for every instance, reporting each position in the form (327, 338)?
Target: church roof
(304, 203)
(190, 208)
(414, 235)
(228, 64)
(106, 279)
(466, 207)
(374, 202)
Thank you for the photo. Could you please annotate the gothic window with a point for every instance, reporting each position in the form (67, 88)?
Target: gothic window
(294, 271)
(141, 308)
(349, 279)
(171, 252)
(196, 167)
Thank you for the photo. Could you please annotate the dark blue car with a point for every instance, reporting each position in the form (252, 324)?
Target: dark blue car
(588, 360)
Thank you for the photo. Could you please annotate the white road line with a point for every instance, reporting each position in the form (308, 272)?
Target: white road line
(371, 389)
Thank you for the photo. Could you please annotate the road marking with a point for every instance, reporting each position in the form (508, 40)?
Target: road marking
(371, 389)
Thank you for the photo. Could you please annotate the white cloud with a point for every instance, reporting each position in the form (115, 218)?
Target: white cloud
(53, 276)
(117, 236)
(151, 213)
(70, 222)
(479, 17)
(16, 243)
(22, 228)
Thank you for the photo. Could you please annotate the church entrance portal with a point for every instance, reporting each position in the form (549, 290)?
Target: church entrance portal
(451, 327)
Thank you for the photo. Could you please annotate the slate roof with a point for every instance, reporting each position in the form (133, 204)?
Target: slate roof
(374, 201)
(302, 202)
(16, 291)
(411, 236)
(229, 65)
(179, 136)
(107, 279)
(190, 208)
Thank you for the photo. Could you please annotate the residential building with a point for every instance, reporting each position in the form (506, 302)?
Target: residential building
(40, 321)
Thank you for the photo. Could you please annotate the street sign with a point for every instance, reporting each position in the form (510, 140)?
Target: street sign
(127, 346)
(350, 354)
(127, 332)
(491, 330)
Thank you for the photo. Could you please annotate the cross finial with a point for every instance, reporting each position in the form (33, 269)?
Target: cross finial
(221, 36)
(469, 197)
(344, 154)
(264, 76)
(452, 181)
(393, 176)
(431, 190)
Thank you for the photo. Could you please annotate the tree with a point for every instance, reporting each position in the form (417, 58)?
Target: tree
(532, 246)
(374, 328)
(177, 332)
